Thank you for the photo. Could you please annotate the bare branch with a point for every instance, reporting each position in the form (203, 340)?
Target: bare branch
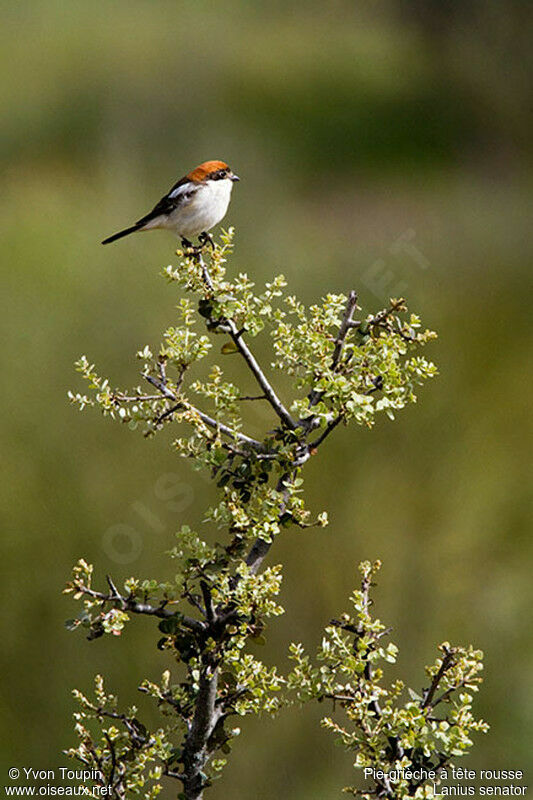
(229, 327)
(181, 405)
(257, 372)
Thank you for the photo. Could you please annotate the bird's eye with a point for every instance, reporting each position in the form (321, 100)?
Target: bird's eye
(222, 173)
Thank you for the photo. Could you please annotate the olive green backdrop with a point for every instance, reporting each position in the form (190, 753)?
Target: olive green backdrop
(384, 147)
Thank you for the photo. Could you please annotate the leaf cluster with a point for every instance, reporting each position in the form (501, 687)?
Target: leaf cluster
(400, 733)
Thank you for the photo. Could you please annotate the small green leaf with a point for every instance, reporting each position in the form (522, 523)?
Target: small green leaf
(169, 625)
(229, 347)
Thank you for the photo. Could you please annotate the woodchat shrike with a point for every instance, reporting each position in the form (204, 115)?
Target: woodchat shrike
(196, 203)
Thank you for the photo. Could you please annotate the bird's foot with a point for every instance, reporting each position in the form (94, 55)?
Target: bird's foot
(190, 248)
(206, 238)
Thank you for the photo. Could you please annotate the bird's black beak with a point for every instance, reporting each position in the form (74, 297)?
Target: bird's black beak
(235, 177)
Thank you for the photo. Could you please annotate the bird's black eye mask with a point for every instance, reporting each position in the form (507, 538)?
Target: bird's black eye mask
(218, 175)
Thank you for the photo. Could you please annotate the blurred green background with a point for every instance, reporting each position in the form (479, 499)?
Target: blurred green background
(381, 146)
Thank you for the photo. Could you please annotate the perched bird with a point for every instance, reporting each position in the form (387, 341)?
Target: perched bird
(195, 204)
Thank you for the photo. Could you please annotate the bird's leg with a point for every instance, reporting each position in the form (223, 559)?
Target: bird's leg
(194, 250)
(206, 238)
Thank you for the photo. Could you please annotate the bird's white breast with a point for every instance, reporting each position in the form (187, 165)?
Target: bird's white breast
(206, 207)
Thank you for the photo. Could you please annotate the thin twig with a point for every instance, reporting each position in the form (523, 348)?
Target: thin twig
(137, 398)
(326, 432)
(351, 305)
(349, 311)
(441, 698)
(130, 604)
(191, 598)
(446, 663)
(252, 397)
(366, 583)
(212, 423)
(378, 385)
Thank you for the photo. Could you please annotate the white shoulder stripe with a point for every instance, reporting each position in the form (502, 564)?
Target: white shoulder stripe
(185, 188)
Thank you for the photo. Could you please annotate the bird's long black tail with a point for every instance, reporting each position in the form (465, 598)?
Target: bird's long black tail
(120, 234)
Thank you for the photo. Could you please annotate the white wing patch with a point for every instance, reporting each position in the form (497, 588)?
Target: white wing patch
(181, 191)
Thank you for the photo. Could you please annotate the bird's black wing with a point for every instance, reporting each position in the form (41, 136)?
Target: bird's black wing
(179, 195)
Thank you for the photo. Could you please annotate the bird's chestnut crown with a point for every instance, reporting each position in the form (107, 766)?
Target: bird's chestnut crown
(212, 171)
